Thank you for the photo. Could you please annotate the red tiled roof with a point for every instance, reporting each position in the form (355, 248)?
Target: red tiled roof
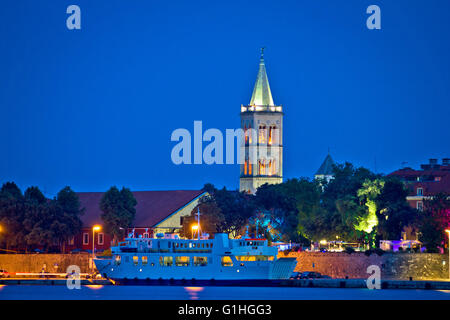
(152, 206)
(429, 187)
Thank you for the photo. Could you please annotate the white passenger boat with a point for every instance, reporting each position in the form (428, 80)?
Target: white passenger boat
(220, 258)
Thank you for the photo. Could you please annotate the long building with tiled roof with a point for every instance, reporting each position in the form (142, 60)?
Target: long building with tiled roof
(156, 212)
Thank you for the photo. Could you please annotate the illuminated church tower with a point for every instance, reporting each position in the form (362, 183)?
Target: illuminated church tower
(262, 122)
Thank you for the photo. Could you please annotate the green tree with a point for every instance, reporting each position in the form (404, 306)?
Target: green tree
(210, 218)
(289, 208)
(433, 221)
(395, 214)
(118, 209)
(12, 209)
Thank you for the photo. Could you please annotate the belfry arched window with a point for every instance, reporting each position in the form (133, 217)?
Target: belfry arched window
(262, 134)
(262, 164)
(272, 135)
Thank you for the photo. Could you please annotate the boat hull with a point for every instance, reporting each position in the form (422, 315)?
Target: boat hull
(248, 271)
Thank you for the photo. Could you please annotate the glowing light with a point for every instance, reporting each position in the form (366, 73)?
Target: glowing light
(323, 241)
(94, 286)
(96, 228)
(195, 227)
(193, 292)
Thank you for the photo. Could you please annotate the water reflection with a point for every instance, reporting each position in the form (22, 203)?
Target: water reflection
(193, 292)
(94, 286)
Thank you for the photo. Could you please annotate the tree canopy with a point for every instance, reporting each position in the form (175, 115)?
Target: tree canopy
(118, 211)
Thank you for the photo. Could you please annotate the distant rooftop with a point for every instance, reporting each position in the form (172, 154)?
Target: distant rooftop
(152, 206)
(326, 168)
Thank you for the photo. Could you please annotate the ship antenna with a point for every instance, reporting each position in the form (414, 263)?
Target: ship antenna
(198, 223)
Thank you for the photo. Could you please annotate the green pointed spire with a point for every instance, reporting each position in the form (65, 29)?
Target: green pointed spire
(261, 92)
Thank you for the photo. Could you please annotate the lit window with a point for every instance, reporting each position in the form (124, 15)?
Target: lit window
(135, 260)
(227, 262)
(182, 261)
(166, 261)
(144, 260)
(200, 261)
(420, 205)
(117, 260)
(262, 134)
(272, 134)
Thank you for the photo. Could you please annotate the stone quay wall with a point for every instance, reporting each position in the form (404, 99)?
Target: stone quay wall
(394, 266)
(53, 263)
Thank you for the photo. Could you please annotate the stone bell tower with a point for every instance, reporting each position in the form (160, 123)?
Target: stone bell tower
(262, 122)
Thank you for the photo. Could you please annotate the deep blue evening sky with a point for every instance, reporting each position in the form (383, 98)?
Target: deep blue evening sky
(95, 107)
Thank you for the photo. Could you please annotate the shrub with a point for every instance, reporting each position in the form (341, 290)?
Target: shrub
(379, 251)
(349, 250)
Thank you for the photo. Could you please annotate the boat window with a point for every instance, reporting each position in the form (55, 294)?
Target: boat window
(182, 261)
(169, 244)
(190, 244)
(166, 261)
(135, 260)
(127, 259)
(193, 245)
(200, 261)
(227, 262)
(144, 260)
(117, 260)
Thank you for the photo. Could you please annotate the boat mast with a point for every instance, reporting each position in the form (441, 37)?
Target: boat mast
(198, 223)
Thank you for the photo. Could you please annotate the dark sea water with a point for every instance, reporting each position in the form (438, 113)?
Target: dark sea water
(95, 292)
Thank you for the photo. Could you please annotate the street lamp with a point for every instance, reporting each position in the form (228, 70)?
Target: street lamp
(448, 247)
(194, 228)
(94, 228)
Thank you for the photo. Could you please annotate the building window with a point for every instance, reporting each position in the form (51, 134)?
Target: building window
(135, 260)
(262, 167)
(85, 238)
(101, 238)
(166, 261)
(420, 191)
(200, 261)
(182, 261)
(144, 260)
(227, 262)
(420, 205)
(147, 235)
(272, 136)
(262, 134)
